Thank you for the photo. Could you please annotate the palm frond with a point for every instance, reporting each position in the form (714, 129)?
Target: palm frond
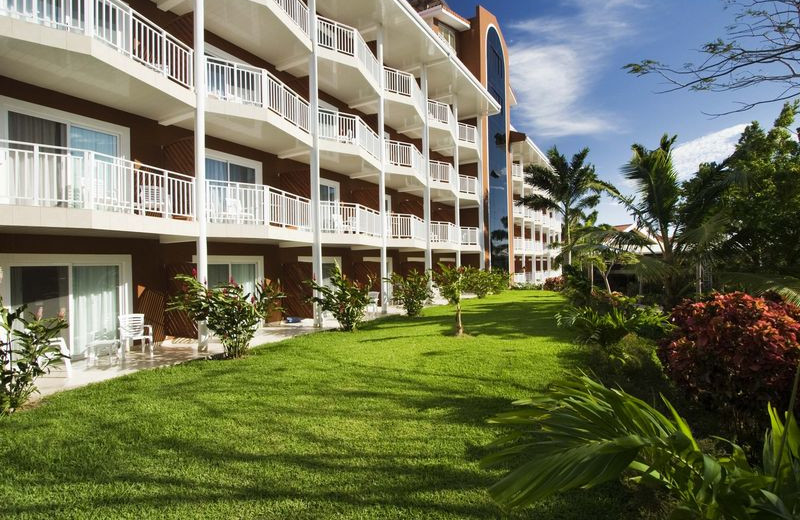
(759, 283)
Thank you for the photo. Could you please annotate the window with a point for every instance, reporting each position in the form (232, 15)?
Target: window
(449, 36)
(328, 191)
(229, 168)
(244, 270)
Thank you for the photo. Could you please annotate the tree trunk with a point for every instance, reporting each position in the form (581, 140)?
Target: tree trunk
(459, 326)
(605, 280)
(568, 238)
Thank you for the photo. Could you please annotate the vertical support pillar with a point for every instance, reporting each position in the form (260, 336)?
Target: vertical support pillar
(426, 153)
(382, 179)
(313, 91)
(482, 142)
(456, 183)
(200, 157)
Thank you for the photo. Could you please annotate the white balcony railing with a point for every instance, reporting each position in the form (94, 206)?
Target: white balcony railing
(243, 203)
(116, 24)
(350, 219)
(348, 41)
(54, 176)
(469, 236)
(516, 171)
(406, 155)
(467, 133)
(444, 233)
(407, 227)
(439, 112)
(297, 11)
(348, 129)
(404, 84)
(468, 185)
(248, 85)
(441, 172)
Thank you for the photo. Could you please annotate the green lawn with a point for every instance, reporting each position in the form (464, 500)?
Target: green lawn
(389, 422)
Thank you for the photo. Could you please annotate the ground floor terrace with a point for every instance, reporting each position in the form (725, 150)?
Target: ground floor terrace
(389, 422)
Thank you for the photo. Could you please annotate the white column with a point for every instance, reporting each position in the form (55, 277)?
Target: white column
(200, 157)
(456, 182)
(382, 179)
(481, 224)
(313, 90)
(426, 152)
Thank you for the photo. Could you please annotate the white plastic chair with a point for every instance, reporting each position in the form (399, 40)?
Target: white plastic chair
(62, 347)
(132, 328)
(374, 297)
(151, 199)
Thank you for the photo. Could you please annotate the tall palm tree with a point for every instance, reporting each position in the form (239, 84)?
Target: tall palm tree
(570, 188)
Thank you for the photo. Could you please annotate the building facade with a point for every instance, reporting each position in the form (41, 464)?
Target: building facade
(263, 139)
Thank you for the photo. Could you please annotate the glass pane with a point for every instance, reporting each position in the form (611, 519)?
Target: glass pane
(327, 269)
(218, 274)
(43, 289)
(100, 142)
(216, 170)
(95, 296)
(36, 130)
(245, 275)
(242, 174)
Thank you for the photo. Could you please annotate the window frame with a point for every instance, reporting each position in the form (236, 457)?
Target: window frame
(237, 160)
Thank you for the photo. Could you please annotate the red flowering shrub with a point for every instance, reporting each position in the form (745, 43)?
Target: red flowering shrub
(554, 283)
(734, 352)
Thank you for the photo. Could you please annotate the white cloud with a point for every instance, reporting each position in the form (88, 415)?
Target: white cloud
(555, 60)
(713, 147)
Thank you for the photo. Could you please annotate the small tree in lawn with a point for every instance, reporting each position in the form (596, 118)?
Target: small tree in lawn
(411, 291)
(26, 352)
(346, 299)
(451, 282)
(231, 314)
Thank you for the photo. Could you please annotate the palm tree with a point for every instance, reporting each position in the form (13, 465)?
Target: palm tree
(566, 187)
(682, 231)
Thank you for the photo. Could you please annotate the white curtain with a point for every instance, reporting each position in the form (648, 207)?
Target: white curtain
(95, 292)
(245, 275)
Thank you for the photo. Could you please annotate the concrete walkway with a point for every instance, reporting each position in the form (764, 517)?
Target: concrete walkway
(167, 353)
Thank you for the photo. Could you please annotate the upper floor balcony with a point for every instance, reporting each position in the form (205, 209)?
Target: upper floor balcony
(96, 50)
(468, 190)
(443, 182)
(517, 172)
(443, 127)
(347, 144)
(405, 103)
(468, 145)
(405, 166)
(274, 30)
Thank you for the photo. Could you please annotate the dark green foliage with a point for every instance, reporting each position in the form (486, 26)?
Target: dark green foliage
(26, 353)
(501, 280)
(412, 291)
(478, 282)
(346, 299)
(230, 313)
(604, 330)
(580, 434)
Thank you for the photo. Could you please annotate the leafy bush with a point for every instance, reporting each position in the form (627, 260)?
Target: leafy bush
(527, 287)
(26, 352)
(554, 283)
(451, 282)
(580, 434)
(478, 282)
(734, 352)
(501, 280)
(650, 321)
(412, 291)
(577, 287)
(230, 313)
(604, 330)
(346, 299)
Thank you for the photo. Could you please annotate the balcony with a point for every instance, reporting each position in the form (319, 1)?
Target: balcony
(467, 143)
(442, 178)
(468, 191)
(250, 106)
(347, 68)
(469, 239)
(95, 49)
(443, 127)
(445, 235)
(404, 167)
(44, 186)
(347, 145)
(407, 231)
(255, 25)
(405, 104)
(516, 172)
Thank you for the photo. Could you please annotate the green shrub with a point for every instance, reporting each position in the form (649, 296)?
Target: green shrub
(26, 352)
(478, 282)
(346, 299)
(229, 312)
(451, 282)
(554, 283)
(501, 280)
(412, 291)
(604, 330)
(581, 434)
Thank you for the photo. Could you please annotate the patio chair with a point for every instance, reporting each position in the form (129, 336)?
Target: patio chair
(234, 211)
(151, 199)
(62, 347)
(132, 328)
(374, 298)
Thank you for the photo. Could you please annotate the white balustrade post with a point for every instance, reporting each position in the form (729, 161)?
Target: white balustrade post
(36, 172)
(166, 195)
(89, 175)
(313, 89)
(164, 54)
(265, 205)
(200, 157)
(456, 183)
(88, 18)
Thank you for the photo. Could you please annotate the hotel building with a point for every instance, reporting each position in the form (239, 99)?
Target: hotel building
(252, 139)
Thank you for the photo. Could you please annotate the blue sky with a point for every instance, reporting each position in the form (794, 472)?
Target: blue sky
(566, 70)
